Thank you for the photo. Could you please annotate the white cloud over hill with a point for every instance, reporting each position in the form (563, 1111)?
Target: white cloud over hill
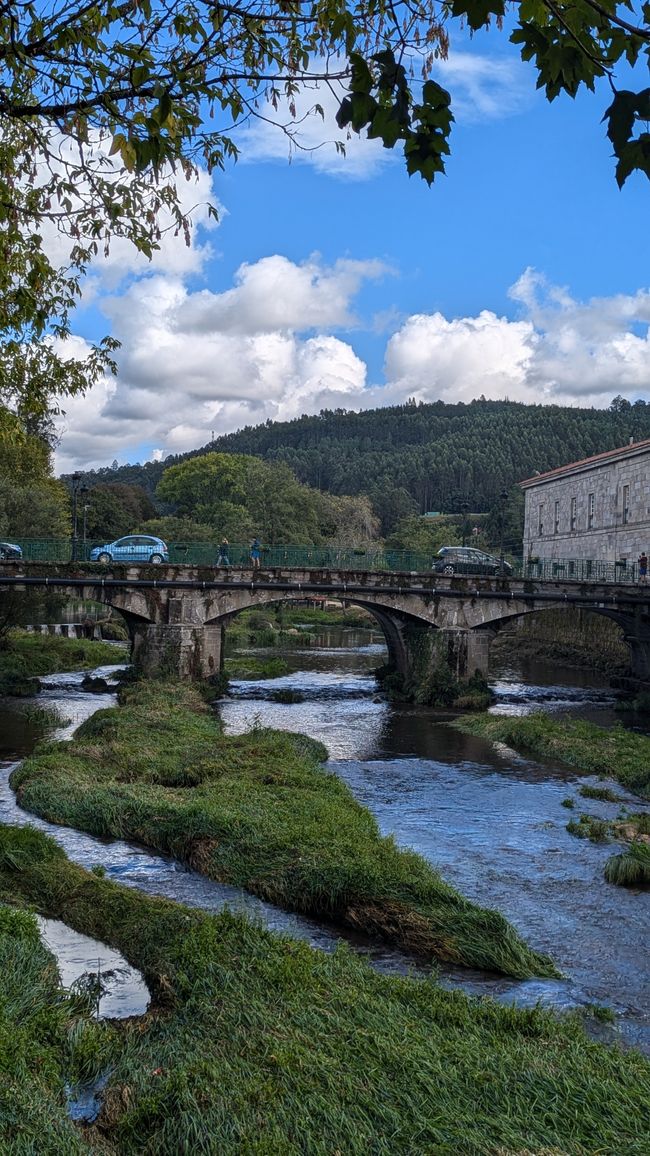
(280, 341)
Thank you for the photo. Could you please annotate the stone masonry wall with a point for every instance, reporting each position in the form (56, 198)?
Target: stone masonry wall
(610, 537)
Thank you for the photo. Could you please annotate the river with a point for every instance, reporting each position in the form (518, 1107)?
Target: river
(492, 821)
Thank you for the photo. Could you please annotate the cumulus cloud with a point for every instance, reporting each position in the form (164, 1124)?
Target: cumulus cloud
(431, 357)
(279, 342)
(173, 256)
(193, 362)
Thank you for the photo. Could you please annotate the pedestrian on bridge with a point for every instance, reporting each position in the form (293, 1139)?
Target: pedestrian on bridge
(256, 553)
(223, 554)
(643, 567)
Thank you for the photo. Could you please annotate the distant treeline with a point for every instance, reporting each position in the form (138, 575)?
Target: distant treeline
(417, 457)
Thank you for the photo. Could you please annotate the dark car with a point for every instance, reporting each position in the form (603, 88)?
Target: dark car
(9, 552)
(467, 560)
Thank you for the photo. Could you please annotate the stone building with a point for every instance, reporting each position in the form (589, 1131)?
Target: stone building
(596, 510)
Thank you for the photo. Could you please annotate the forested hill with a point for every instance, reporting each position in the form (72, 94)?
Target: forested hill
(426, 456)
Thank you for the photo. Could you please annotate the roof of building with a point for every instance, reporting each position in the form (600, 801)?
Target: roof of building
(587, 463)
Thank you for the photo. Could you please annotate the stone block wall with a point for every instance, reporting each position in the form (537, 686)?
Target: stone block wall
(582, 512)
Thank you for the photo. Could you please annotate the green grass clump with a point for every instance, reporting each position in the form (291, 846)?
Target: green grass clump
(243, 666)
(605, 794)
(25, 655)
(631, 868)
(616, 753)
(260, 1045)
(258, 811)
(589, 827)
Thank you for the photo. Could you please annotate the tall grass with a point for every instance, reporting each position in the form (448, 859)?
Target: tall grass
(617, 753)
(46, 1040)
(259, 811)
(34, 654)
(259, 1045)
(631, 868)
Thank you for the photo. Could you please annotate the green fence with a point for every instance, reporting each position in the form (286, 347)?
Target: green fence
(338, 558)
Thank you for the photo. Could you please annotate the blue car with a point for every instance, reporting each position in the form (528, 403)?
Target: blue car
(9, 552)
(132, 548)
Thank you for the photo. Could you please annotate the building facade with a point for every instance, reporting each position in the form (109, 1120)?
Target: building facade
(594, 510)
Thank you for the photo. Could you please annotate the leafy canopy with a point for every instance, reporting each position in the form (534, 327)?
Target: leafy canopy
(104, 104)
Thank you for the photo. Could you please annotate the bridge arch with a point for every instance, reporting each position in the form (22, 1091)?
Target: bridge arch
(391, 623)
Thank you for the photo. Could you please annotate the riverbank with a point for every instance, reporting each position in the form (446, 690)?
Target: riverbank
(257, 1043)
(258, 811)
(24, 656)
(616, 753)
(570, 637)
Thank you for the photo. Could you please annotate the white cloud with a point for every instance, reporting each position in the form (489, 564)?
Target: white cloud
(173, 255)
(482, 87)
(275, 345)
(309, 138)
(194, 362)
(485, 87)
(431, 357)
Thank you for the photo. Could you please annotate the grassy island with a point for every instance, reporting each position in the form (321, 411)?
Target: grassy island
(25, 655)
(616, 753)
(260, 812)
(256, 1044)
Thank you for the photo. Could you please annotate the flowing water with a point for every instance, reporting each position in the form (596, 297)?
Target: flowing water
(489, 819)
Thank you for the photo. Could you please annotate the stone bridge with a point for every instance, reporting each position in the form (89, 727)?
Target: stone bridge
(177, 615)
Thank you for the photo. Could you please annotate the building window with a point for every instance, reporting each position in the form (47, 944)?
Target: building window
(556, 519)
(590, 511)
(574, 513)
(540, 526)
(626, 505)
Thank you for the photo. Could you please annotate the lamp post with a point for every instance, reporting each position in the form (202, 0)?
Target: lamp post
(84, 491)
(463, 509)
(503, 498)
(76, 478)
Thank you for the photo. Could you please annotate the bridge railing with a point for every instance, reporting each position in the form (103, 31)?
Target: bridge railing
(340, 558)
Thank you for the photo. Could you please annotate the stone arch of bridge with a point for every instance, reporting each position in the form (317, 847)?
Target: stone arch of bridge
(391, 621)
(630, 632)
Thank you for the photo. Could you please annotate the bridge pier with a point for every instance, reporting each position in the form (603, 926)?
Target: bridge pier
(182, 650)
(639, 658)
(466, 652)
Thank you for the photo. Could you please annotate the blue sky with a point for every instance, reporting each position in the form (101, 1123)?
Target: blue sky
(345, 282)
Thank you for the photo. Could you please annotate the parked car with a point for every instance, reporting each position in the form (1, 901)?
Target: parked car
(9, 552)
(467, 560)
(132, 548)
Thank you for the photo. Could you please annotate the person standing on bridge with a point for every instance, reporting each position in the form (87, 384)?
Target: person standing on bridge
(223, 554)
(256, 553)
(643, 567)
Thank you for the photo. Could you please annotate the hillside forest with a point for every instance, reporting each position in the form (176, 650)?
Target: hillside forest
(353, 478)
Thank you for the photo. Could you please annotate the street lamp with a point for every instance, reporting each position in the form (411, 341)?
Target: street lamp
(85, 508)
(503, 498)
(76, 478)
(463, 509)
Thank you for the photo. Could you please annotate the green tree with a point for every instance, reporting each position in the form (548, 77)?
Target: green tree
(32, 503)
(116, 509)
(424, 536)
(103, 105)
(172, 529)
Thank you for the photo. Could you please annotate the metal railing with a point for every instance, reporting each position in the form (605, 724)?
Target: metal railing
(339, 558)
